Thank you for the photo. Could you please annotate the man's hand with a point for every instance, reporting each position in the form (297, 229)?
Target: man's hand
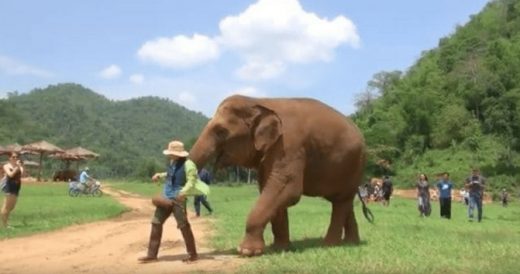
(156, 177)
(181, 198)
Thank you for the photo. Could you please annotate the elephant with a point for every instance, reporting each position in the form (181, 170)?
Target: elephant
(64, 175)
(298, 146)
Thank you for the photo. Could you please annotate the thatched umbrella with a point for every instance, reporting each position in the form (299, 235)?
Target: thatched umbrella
(42, 147)
(67, 158)
(13, 148)
(82, 152)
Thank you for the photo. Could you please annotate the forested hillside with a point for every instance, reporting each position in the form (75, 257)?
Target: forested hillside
(457, 107)
(130, 135)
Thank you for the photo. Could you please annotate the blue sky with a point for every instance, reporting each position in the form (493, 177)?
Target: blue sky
(198, 52)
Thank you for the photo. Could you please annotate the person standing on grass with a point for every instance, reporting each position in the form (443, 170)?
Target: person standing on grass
(444, 187)
(423, 195)
(475, 184)
(181, 180)
(13, 170)
(464, 198)
(387, 189)
(204, 176)
(504, 196)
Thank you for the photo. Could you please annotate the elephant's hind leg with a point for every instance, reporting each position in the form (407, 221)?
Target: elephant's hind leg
(280, 228)
(351, 227)
(337, 222)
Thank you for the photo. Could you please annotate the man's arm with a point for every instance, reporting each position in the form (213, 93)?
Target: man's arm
(158, 176)
(191, 178)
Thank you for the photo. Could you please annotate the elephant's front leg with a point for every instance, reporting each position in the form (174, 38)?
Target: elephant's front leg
(279, 190)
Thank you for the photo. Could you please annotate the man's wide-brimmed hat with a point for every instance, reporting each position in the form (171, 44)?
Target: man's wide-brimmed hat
(176, 148)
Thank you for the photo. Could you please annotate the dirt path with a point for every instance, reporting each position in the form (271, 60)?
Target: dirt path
(112, 246)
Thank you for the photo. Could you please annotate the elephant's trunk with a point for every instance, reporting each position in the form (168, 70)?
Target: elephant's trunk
(202, 150)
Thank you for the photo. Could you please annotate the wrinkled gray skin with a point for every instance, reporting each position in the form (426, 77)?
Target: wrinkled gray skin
(298, 146)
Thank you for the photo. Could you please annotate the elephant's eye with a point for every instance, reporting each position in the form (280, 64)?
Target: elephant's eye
(221, 133)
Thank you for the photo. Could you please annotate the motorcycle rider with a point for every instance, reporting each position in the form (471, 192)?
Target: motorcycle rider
(84, 179)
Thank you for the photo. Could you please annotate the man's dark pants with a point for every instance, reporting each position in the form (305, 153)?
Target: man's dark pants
(445, 207)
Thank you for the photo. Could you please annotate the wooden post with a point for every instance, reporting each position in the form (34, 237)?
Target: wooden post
(40, 168)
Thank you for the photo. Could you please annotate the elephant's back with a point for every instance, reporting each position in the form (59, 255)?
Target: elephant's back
(315, 123)
(311, 113)
(333, 145)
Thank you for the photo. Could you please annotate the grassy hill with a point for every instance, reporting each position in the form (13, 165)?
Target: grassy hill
(456, 108)
(129, 135)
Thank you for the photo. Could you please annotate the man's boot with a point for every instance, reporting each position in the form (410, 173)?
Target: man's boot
(189, 240)
(153, 245)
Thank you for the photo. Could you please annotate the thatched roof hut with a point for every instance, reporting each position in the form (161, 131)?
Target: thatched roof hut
(42, 147)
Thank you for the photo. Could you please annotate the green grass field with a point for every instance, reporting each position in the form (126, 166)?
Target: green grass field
(399, 241)
(46, 207)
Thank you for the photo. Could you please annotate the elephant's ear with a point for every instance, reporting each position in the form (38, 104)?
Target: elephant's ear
(267, 128)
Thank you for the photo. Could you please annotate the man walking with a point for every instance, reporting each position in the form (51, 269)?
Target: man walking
(444, 187)
(180, 180)
(204, 176)
(504, 197)
(387, 190)
(475, 184)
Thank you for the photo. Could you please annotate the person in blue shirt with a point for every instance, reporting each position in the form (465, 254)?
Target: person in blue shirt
(444, 187)
(84, 179)
(204, 176)
(180, 180)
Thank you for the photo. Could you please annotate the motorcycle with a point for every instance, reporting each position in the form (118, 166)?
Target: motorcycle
(90, 188)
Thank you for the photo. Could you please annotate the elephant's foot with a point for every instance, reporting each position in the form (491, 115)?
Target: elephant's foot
(332, 241)
(251, 247)
(352, 239)
(281, 245)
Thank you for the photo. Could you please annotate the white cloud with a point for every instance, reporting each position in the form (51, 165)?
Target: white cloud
(247, 91)
(281, 32)
(180, 51)
(111, 72)
(260, 70)
(136, 79)
(186, 97)
(269, 35)
(11, 66)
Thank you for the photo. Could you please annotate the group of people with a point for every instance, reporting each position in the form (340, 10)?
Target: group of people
(378, 192)
(472, 193)
(181, 179)
(474, 185)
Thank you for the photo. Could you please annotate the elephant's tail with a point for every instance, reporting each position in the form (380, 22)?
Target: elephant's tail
(366, 211)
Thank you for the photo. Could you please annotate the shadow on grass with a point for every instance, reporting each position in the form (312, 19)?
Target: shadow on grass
(296, 247)
(312, 243)
(212, 255)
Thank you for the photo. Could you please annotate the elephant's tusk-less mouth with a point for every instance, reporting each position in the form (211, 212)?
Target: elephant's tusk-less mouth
(218, 160)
